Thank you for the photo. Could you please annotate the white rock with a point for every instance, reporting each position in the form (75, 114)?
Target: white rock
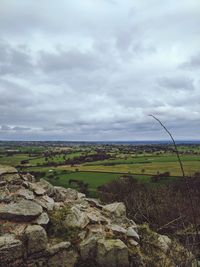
(117, 208)
(132, 233)
(118, 229)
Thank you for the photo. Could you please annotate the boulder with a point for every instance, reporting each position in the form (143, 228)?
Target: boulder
(118, 209)
(35, 238)
(112, 253)
(24, 210)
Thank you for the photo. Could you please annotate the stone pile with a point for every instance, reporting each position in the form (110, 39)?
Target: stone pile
(45, 225)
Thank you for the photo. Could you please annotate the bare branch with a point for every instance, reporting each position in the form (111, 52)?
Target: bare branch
(183, 173)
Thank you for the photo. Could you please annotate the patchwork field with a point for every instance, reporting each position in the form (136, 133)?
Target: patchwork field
(96, 165)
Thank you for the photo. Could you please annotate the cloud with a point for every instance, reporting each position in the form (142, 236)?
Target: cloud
(68, 60)
(176, 83)
(95, 70)
(192, 63)
(14, 60)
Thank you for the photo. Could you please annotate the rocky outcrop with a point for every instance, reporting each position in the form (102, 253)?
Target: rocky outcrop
(43, 225)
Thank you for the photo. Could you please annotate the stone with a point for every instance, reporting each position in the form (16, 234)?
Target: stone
(46, 186)
(27, 194)
(112, 253)
(2, 183)
(81, 195)
(11, 249)
(95, 216)
(132, 242)
(76, 218)
(35, 238)
(164, 243)
(24, 210)
(132, 233)
(118, 209)
(58, 247)
(94, 202)
(88, 247)
(43, 219)
(117, 229)
(28, 177)
(7, 169)
(37, 189)
(63, 259)
(46, 202)
(64, 194)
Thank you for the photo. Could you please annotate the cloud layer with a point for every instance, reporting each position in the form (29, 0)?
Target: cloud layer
(95, 69)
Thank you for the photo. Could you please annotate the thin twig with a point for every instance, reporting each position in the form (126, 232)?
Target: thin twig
(183, 174)
(167, 224)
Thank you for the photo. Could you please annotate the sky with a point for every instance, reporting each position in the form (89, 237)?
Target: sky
(95, 69)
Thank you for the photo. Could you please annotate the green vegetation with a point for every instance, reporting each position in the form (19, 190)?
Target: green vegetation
(96, 165)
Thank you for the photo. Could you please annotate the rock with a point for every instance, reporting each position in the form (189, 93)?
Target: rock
(95, 216)
(27, 194)
(76, 218)
(7, 169)
(118, 209)
(64, 194)
(63, 259)
(58, 247)
(132, 242)
(132, 233)
(28, 177)
(2, 183)
(35, 239)
(11, 249)
(97, 230)
(112, 253)
(88, 247)
(24, 210)
(94, 202)
(42, 187)
(46, 202)
(117, 229)
(81, 195)
(37, 189)
(49, 188)
(43, 219)
(164, 243)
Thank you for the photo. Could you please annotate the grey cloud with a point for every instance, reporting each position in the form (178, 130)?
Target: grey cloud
(5, 128)
(68, 60)
(14, 60)
(192, 63)
(95, 70)
(177, 82)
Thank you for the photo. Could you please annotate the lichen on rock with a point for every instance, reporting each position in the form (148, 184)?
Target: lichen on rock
(43, 225)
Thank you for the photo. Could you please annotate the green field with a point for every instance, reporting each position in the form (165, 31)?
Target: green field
(141, 163)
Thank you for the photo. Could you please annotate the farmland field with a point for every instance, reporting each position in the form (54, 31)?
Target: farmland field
(98, 164)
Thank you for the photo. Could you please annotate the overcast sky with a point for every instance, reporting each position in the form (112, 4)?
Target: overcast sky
(95, 69)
